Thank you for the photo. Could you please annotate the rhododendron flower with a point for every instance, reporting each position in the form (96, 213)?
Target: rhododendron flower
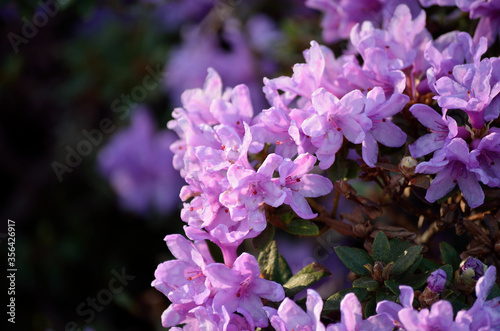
(289, 316)
(453, 166)
(241, 287)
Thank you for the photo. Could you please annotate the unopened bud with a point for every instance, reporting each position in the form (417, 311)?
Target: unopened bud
(428, 297)
(378, 268)
(408, 165)
(467, 275)
(437, 280)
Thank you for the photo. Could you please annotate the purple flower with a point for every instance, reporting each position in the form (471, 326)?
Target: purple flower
(138, 163)
(472, 89)
(250, 189)
(437, 280)
(405, 317)
(298, 184)
(442, 130)
(449, 50)
(403, 40)
(332, 120)
(453, 166)
(341, 16)
(440, 317)
(183, 280)
(379, 110)
(241, 287)
(352, 318)
(204, 318)
(227, 52)
(487, 154)
(392, 309)
(483, 315)
(290, 316)
(488, 13)
(473, 267)
(428, 3)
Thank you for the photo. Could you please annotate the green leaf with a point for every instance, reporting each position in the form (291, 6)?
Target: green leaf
(264, 238)
(385, 294)
(458, 305)
(416, 281)
(353, 170)
(354, 259)
(428, 265)
(494, 293)
(273, 266)
(450, 255)
(300, 227)
(366, 282)
(412, 268)
(449, 273)
(406, 259)
(338, 170)
(370, 307)
(381, 249)
(333, 302)
(398, 247)
(393, 286)
(307, 276)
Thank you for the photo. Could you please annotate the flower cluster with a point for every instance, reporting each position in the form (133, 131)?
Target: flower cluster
(397, 89)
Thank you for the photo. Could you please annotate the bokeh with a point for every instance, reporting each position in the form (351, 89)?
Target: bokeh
(86, 89)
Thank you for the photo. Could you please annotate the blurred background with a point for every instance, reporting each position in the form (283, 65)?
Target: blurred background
(87, 88)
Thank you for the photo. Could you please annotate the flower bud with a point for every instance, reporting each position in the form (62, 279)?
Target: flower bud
(437, 281)
(467, 275)
(428, 297)
(473, 267)
(408, 165)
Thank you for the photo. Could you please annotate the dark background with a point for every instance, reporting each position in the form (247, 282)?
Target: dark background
(71, 236)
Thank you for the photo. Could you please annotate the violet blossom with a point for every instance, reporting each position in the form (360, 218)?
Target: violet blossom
(289, 316)
(352, 318)
(453, 166)
(437, 280)
(138, 163)
(241, 287)
(379, 111)
(442, 130)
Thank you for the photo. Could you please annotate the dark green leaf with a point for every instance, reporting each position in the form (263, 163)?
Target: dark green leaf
(381, 249)
(366, 282)
(273, 266)
(412, 268)
(449, 273)
(352, 169)
(494, 293)
(354, 259)
(333, 302)
(264, 238)
(406, 259)
(302, 227)
(450, 255)
(307, 276)
(398, 247)
(416, 281)
(370, 307)
(385, 294)
(393, 286)
(338, 170)
(428, 265)
(458, 305)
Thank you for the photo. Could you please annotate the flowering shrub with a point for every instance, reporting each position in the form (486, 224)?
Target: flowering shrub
(408, 117)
